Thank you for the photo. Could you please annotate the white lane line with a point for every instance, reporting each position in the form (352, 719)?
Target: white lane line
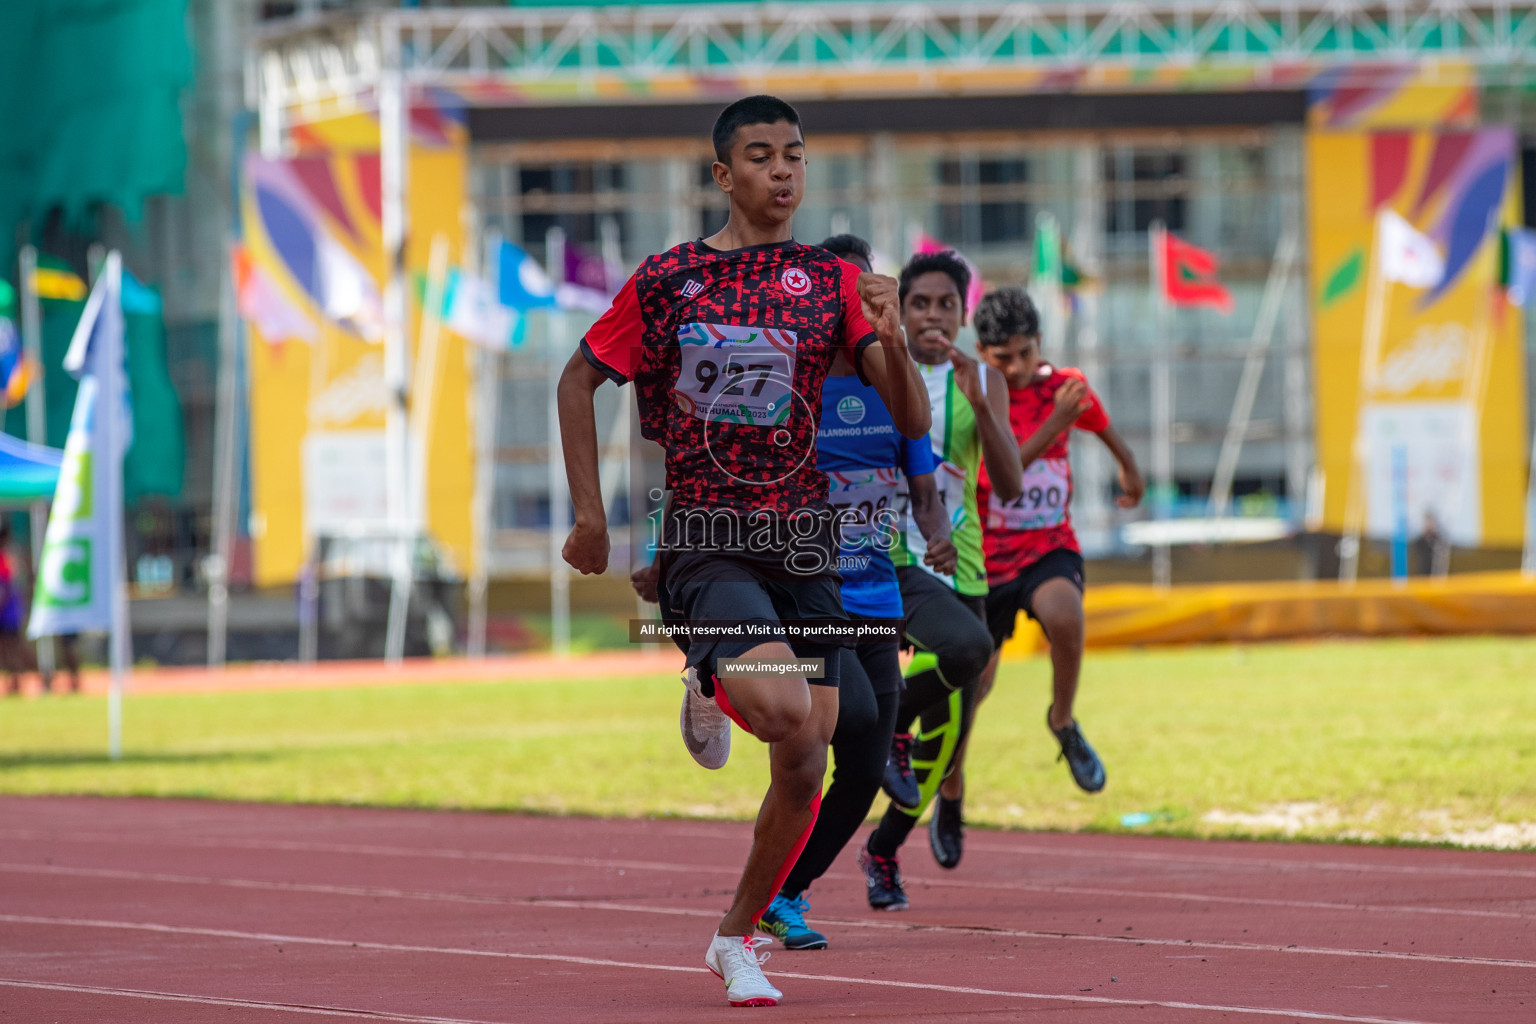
(370, 850)
(703, 867)
(1195, 897)
(240, 1004)
(607, 906)
(225, 933)
(1216, 860)
(982, 846)
(1260, 862)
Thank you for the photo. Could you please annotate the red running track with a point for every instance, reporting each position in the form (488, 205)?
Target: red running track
(171, 911)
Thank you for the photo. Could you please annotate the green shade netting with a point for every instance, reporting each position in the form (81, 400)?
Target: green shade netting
(90, 103)
(155, 463)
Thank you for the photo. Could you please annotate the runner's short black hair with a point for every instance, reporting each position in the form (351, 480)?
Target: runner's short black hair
(946, 262)
(745, 111)
(1004, 313)
(849, 245)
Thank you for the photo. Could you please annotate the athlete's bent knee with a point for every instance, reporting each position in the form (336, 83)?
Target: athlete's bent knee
(779, 719)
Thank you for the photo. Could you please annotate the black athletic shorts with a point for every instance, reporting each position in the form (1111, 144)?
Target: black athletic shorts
(703, 579)
(919, 589)
(1006, 600)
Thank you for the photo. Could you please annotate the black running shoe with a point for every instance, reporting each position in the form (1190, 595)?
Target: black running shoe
(1087, 769)
(883, 877)
(899, 783)
(946, 832)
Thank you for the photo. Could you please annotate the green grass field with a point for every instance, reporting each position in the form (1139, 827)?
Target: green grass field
(1416, 740)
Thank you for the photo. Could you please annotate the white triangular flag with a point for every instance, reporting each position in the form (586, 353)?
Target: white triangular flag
(476, 313)
(1406, 255)
(348, 292)
(80, 568)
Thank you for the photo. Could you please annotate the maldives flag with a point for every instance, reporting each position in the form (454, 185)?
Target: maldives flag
(1187, 273)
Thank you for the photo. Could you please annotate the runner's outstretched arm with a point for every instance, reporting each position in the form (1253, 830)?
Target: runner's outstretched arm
(999, 451)
(886, 364)
(586, 549)
(1131, 481)
(1071, 402)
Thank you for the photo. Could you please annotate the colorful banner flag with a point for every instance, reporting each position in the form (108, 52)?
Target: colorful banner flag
(82, 557)
(53, 283)
(587, 285)
(1520, 265)
(1188, 273)
(348, 293)
(15, 372)
(1405, 255)
(521, 283)
(262, 303)
(475, 312)
(138, 298)
(1048, 265)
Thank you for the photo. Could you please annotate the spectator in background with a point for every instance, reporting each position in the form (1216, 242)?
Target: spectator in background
(1432, 549)
(14, 658)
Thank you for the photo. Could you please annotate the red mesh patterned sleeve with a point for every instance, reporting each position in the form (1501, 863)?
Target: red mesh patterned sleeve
(1094, 419)
(613, 344)
(857, 333)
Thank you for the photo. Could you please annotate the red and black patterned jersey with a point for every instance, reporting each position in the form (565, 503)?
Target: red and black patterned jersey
(728, 352)
(1016, 534)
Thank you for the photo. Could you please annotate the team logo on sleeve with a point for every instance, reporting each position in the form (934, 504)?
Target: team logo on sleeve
(795, 281)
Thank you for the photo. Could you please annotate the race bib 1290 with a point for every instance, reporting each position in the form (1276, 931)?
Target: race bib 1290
(1047, 489)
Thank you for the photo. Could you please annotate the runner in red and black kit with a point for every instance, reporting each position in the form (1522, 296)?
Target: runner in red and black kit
(1034, 563)
(728, 341)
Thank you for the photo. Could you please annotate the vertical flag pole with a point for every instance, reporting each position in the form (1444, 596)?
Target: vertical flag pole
(394, 114)
(427, 377)
(487, 416)
(37, 419)
(82, 577)
(1087, 244)
(1253, 372)
(1162, 410)
(111, 368)
(1370, 354)
(223, 473)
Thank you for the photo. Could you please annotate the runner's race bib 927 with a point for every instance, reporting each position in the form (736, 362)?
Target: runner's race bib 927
(736, 374)
(1043, 504)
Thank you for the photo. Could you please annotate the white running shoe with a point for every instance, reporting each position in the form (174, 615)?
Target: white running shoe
(734, 958)
(706, 729)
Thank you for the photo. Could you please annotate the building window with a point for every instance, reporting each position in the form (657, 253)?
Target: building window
(985, 207)
(1144, 186)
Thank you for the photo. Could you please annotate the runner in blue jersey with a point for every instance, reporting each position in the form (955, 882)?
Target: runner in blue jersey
(864, 457)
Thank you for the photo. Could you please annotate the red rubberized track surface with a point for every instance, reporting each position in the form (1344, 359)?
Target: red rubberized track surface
(169, 911)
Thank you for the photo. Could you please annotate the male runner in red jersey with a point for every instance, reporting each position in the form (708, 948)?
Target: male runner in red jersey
(1034, 563)
(728, 341)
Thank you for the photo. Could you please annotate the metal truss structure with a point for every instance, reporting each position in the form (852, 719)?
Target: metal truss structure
(660, 53)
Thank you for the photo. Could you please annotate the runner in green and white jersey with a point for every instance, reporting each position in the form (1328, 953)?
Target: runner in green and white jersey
(944, 617)
(957, 447)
